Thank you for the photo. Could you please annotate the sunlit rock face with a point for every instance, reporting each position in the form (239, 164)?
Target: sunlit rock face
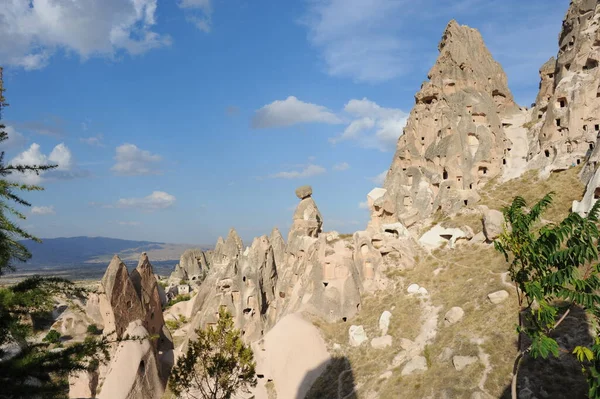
(453, 142)
(566, 119)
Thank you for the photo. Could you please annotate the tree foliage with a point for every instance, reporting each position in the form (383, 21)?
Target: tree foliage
(551, 265)
(10, 232)
(29, 368)
(216, 365)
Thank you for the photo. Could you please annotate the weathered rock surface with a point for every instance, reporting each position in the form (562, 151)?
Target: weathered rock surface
(357, 335)
(453, 142)
(297, 344)
(381, 342)
(498, 297)
(384, 322)
(119, 301)
(453, 316)
(493, 224)
(566, 118)
(414, 365)
(304, 192)
(133, 372)
(192, 267)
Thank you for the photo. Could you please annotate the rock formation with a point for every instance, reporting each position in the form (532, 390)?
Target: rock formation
(119, 301)
(565, 121)
(308, 221)
(130, 306)
(192, 267)
(453, 142)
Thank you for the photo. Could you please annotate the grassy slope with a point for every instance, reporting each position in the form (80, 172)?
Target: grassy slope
(463, 277)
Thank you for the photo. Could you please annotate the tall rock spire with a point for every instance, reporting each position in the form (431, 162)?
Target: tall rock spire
(453, 141)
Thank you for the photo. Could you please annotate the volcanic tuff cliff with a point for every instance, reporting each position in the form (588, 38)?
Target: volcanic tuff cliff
(453, 142)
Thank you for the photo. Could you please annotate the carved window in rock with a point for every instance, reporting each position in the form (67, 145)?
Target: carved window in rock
(445, 174)
(561, 102)
(482, 170)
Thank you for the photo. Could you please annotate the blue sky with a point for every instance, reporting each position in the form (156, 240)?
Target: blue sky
(176, 120)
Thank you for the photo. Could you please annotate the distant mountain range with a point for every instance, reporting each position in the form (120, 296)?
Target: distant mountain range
(72, 251)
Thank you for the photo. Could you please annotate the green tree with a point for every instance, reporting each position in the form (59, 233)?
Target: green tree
(550, 265)
(216, 365)
(31, 369)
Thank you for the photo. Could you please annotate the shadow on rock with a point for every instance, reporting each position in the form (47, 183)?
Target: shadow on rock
(336, 381)
(559, 377)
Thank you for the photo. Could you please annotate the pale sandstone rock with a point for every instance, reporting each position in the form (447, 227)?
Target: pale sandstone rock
(478, 238)
(413, 288)
(82, 384)
(133, 372)
(381, 342)
(498, 297)
(384, 322)
(414, 365)
(357, 335)
(567, 112)
(439, 236)
(453, 316)
(303, 192)
(453, 142)
(461, 362)
(493, 224)
(119, 302)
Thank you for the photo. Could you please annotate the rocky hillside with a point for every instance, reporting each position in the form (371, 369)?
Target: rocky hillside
(417, 305)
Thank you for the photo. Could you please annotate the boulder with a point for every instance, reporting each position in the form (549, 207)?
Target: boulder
(461, 362)
(384, 322)
(413, 288)
(381, 342)
(357, 335)
(303, 192)
(453, 316)
(493, 224)
(498, 297)
(439, 236)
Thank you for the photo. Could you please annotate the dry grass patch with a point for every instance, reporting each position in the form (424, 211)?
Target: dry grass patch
(566, 185)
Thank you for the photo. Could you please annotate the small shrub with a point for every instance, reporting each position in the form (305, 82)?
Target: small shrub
(172, 325)
(52, 337)
(179, 298)
(93, 329)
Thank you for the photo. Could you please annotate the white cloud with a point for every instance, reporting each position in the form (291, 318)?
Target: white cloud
(292, 111)
(373, 126)
(15, 139)
(33, 31)
(43, 210)
(198, 12)
(308, 171)
(155, 201)
(363, 205)
(93, 140)
(133, 161)
(359, 39)
(380, 178)
(60, 156)
(341, 166)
